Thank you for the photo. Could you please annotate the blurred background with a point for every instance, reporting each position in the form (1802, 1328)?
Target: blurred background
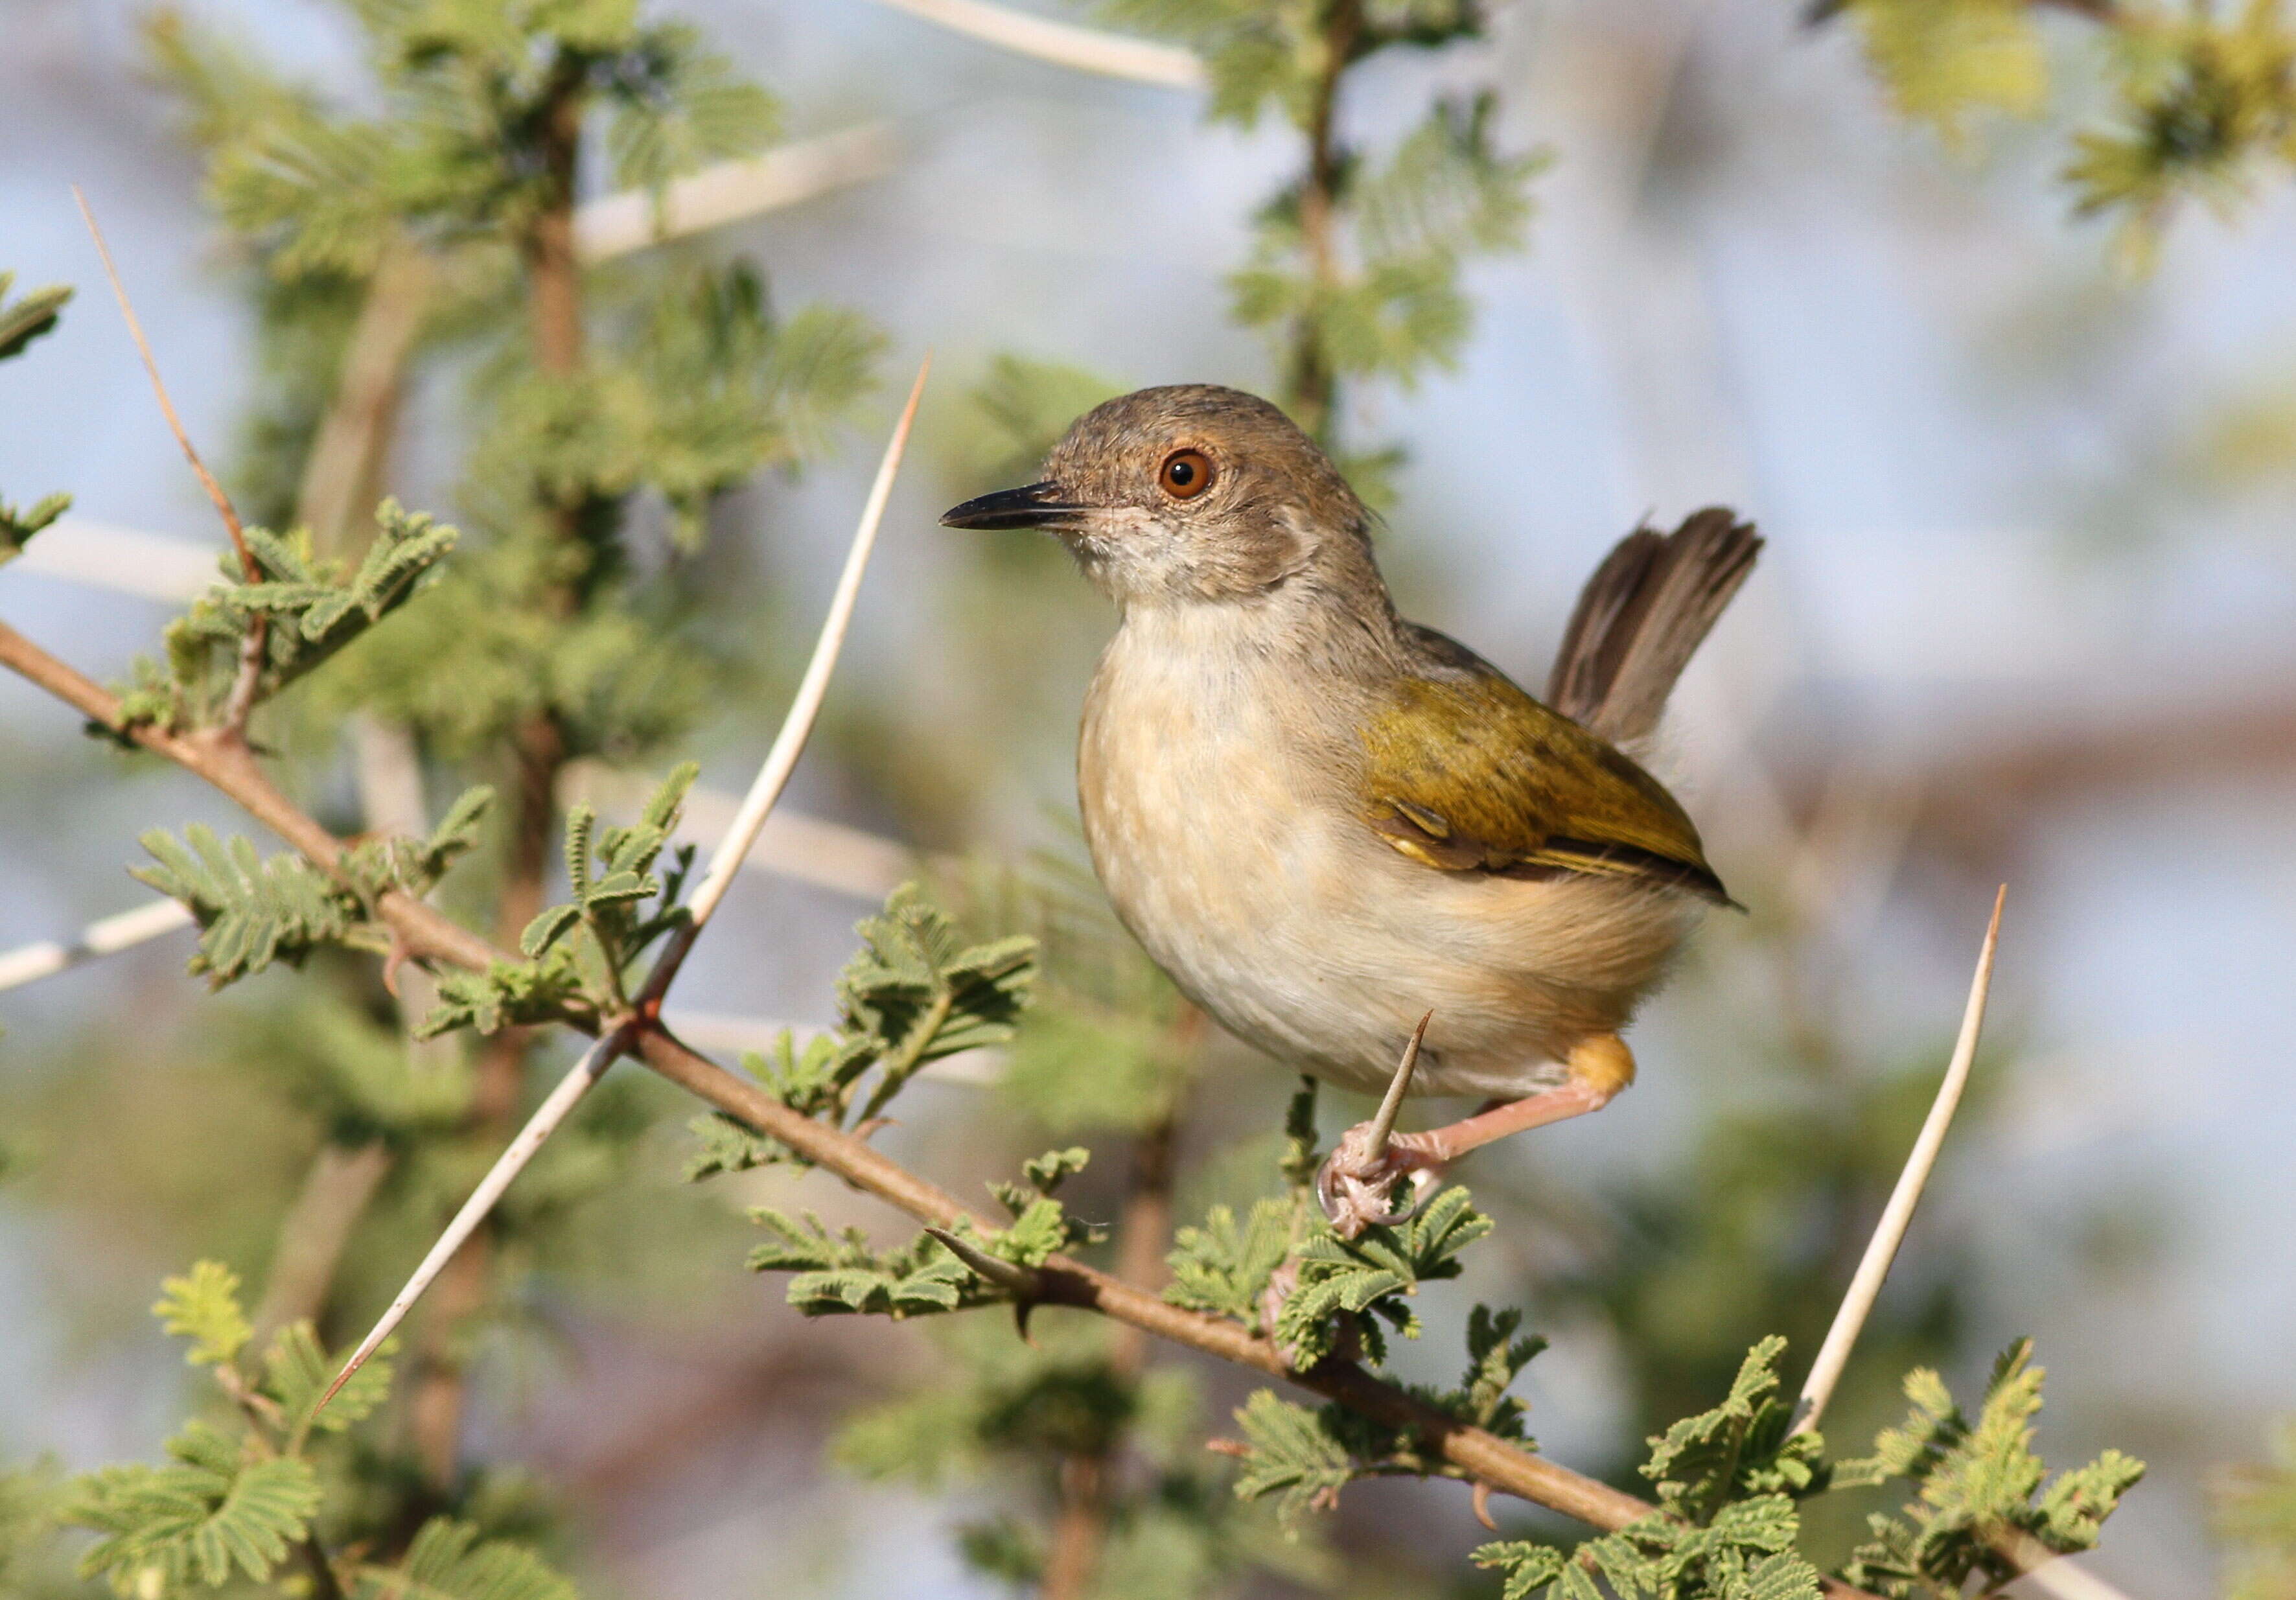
(2027, 613)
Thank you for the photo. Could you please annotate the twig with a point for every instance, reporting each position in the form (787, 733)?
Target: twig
(780, 761)
(250, 656)
(732, 192)
(1063, 44)
(122, 931)
(1865, 1284)
(166, 407)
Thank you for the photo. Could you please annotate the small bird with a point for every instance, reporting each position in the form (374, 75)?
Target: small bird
(1344, 835)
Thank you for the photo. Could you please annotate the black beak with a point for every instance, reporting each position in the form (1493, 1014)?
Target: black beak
(1031, 505)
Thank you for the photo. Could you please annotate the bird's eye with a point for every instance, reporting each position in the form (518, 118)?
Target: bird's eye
(1184, 474)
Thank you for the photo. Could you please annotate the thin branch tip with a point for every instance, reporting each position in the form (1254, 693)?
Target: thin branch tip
(168, 406)
(1898, 1215)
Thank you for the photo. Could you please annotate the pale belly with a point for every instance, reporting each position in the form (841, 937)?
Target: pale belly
(1229, 853)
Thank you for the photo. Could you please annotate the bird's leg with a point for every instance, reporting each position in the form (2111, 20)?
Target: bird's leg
(1359, 1176)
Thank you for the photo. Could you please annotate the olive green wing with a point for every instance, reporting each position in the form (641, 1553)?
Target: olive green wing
(1466, 773)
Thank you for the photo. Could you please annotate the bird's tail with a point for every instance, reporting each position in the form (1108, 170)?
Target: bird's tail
(1646, 611)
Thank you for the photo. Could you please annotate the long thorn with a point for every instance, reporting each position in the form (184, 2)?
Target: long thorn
(168, 406)
(780, 761)
(1008, 1276)
(507, 1166)
(789, 744)
(1382, 1122)
(1882, 1248)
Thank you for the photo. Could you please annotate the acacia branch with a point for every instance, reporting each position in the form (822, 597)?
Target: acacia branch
(242, 702)
(1476, 1452)
(429, 935)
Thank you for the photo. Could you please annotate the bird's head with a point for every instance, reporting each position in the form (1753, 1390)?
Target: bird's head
(1188, 493)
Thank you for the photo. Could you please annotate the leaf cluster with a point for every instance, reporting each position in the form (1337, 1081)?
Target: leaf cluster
(841, 1273)
(1445, 192)
(233, 1502)
(309, 607)
(581, 951)
(1302, 1457)
(2202, 97)
(254, 911)
(1981, 1487)
(1346, 1289)
(1005, 1417)
(470, 139)
(20, 322)
(915, 992)
(1727, 1479)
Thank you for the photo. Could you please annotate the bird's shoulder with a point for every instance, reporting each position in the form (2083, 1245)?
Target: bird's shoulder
(1465, 771)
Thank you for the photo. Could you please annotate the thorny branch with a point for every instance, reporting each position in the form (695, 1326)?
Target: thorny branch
(242, 703)
(430, 936)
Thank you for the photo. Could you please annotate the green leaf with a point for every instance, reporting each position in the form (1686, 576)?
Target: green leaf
(297, 1371)
(33, 314)
(1529, 1568)
(310, 611)
(549, 927)
(1945, 61)
(204, 1307)
(839, 1273)
(17, 527)
(251, 912)
(1048, 1171)
(1369, 1277)
(1973, 1481)
(1223, 1267)
(1293, 1454)
(728, 1144)
(213, 1514)
(1698, 1463)
(447, 1560)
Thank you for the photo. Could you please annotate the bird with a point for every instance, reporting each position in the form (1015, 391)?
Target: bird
(1347, 838)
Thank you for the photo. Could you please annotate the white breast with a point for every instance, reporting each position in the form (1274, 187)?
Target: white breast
(1229, 843)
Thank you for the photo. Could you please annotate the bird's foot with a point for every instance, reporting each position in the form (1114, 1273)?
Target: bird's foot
(1358, 1189)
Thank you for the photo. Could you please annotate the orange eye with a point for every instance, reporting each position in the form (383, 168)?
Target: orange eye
(1184, 474)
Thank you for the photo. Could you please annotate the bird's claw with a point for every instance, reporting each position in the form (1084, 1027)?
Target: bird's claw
(1356, 1190)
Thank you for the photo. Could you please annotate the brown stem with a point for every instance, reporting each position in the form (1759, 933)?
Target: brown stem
(1078, 1530)
(231, 769)
(1144, 1235)
(1313, 386)
(553, 274)
(241, 703)
(554, 298)
(318, 1224)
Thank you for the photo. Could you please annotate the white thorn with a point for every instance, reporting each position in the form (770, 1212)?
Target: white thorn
(730, 192)
(128, 929)
(1063, 44)
(1382, 1122)
(507, 1166)
(781, 761)
(1882, 1248)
